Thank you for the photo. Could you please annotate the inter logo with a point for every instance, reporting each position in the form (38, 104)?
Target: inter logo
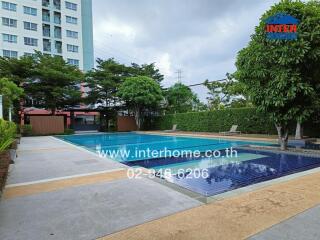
(281, 27)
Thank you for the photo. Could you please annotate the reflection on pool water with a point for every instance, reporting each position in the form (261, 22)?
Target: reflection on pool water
(248, 168)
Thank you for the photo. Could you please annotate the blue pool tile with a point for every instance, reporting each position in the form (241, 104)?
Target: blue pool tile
(232, 176)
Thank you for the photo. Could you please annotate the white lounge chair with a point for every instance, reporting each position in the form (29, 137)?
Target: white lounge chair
(174, 128)
(233, 130)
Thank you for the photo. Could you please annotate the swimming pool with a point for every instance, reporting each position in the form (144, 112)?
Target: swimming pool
(115, 144)
(222, 173)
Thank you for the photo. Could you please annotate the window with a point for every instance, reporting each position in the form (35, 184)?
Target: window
(72, 20)
(57, 32)
(30, 26)
(45, 15)
(10, 54)
(57, 4)
(9, 6)
(73, 62)
(72, 48)
(46, 45)
(30, 41)
(72, 34)
(57, 18)
(71, 6)
(9, 22)
(9, 38)
(58, 46)
(45, 3)
(30, 11)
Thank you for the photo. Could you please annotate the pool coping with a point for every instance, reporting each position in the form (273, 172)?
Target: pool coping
(235, 192)
(199, 135)
(93, 153)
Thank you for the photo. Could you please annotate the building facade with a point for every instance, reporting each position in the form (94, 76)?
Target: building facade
(56, 27)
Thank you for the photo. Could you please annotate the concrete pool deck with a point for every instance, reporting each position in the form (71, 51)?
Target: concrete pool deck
(56, 190)
(59, 191)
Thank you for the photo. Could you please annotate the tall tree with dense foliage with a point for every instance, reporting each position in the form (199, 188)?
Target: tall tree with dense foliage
(54, 83)
(10, 92)
(17, 70)
(139, 93)
(180, 98)
(104, 81)
(148, 70)
(282, 76)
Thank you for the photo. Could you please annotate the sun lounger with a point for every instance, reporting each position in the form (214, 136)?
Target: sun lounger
(174, 128)
(233, 130)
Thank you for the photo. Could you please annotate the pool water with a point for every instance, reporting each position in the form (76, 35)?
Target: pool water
(249, 167)
(223, 173)
(132, 142)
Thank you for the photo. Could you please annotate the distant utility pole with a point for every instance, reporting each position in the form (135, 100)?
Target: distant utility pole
(179, 75)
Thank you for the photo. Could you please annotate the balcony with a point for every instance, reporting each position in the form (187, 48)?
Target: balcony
(46, 30)
(46, 45)
(57, 32)
(57, 4)
(57, 18)
(45, 3)
(45, 15)
(58, 47)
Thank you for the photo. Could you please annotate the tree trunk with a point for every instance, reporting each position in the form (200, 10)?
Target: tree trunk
(283, 135)
(53, 111)
(299, 131)
(137, 117)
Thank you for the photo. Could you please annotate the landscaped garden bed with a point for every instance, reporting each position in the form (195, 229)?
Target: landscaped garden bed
(8, 141)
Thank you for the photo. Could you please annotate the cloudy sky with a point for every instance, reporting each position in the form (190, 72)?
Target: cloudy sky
(200, 37)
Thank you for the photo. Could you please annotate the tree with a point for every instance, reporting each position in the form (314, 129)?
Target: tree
(148, 70)
(139, 93)
(282, 76)
(17, 70)
(104, 81)
(54, 83)
(226, 93)
(180, 98)
(10, 92)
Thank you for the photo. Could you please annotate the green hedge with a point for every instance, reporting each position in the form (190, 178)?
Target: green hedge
(249, 120)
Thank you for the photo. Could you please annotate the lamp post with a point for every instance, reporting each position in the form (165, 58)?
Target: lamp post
(1, 108)
(10, 114)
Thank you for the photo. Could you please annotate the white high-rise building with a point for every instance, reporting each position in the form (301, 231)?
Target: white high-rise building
(56, 27)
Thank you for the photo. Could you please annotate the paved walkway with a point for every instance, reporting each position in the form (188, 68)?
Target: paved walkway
(58, 191)
(239, 217)
(304, 226)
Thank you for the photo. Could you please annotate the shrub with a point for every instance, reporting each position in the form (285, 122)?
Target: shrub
(26, 130)
(8, 132)
(249, 120)
(68, 131)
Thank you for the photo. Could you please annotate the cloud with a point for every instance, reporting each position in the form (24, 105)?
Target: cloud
(200, 37)
(164, 64)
